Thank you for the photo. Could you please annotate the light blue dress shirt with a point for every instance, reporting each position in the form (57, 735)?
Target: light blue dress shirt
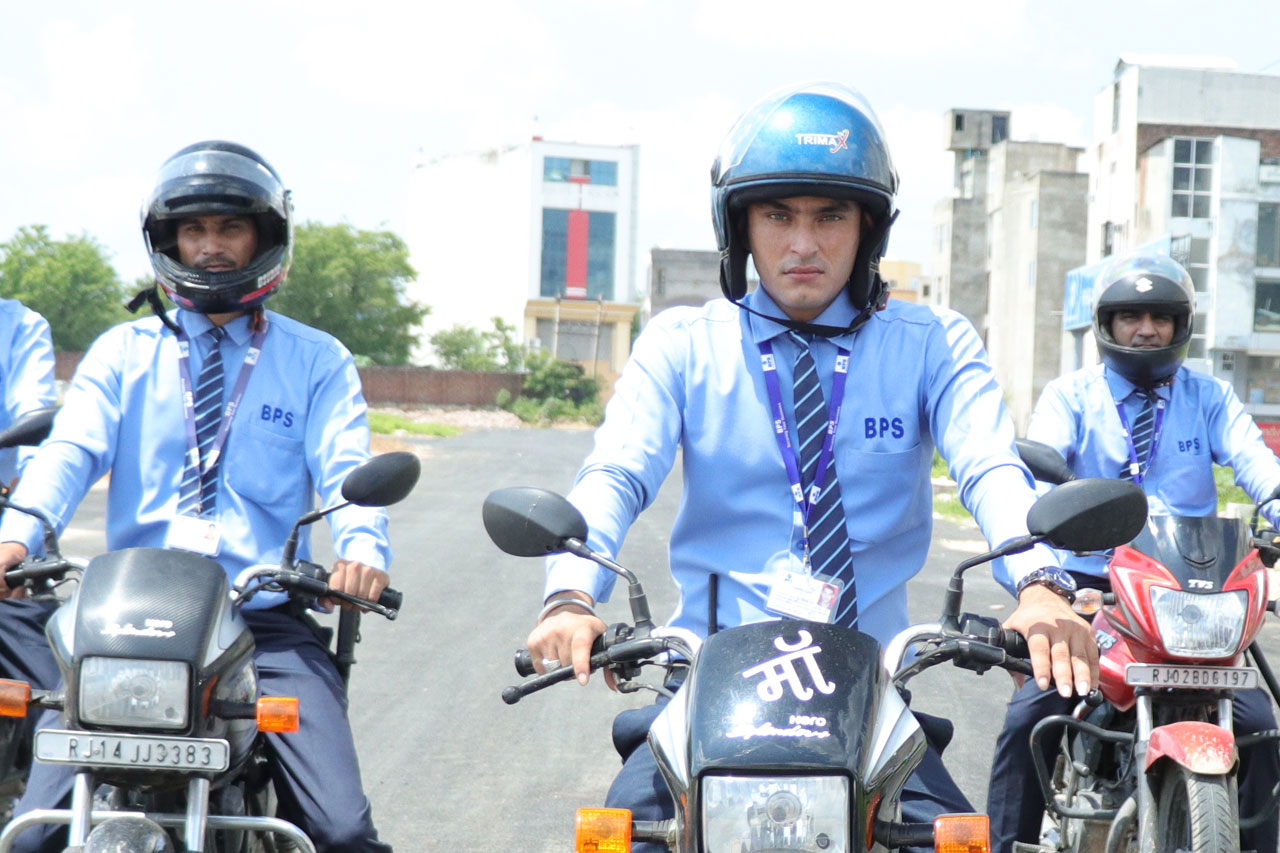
(26, 375)
(299, 429)
(917, 377)
(1204, 422)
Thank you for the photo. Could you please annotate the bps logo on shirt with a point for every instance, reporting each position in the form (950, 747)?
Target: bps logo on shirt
(881, 427)
(276, 415)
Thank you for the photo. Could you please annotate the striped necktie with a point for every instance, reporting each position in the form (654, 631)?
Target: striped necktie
(208, 409)
(829, 550)
(1144, 430)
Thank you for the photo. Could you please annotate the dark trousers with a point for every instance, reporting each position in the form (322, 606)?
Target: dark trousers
(24, 651)
(315, 772)
(639, 787)
(1016, 803)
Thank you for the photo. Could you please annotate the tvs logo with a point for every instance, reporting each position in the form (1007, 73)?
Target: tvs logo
(833, 141)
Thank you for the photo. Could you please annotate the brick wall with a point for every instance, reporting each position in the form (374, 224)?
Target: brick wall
(397, 385)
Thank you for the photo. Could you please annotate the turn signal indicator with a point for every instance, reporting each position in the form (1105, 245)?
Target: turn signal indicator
(603, 831)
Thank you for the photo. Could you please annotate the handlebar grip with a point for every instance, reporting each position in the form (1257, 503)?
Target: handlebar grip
(524, 660)
(391, 598)
(1013, 643)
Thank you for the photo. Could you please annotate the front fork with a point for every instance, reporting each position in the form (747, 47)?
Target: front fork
(1200, 747)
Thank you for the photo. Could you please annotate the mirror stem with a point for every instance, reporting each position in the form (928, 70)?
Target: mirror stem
(955, 588)
(638, 600)
(291, 544)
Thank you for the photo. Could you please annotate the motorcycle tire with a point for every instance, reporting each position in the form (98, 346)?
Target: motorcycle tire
(1196, 813)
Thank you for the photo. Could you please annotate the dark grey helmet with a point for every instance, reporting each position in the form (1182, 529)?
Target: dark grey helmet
(227, 179)
(1146, 283)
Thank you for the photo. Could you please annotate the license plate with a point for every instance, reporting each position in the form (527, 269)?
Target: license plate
(91, 749)
(1194, 677)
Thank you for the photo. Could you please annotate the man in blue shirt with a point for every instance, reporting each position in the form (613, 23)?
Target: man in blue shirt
(1142, 321)
(803, 184)
(26, 374)
(268, 432)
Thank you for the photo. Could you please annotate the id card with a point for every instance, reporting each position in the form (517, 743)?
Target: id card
(801, 596)
(201, 535)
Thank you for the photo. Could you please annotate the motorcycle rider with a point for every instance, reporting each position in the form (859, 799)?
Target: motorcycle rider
(26, 372)
(804, 184)
(1143, 315)
(218, 227)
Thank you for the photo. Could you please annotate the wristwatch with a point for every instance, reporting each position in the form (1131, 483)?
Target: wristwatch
(1055, 579)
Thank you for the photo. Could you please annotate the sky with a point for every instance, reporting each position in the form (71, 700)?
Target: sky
(344, 98)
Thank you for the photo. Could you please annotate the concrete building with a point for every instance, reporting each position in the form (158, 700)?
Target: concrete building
(541, 234)
(680, 277)
(960, 222)
(1004, 243)
(1036, 205)
(1186, 159)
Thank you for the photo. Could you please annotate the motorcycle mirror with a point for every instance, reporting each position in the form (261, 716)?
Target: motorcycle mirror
(1089, 515)
(383, 480)
(1045, 463)
(29, 429)
(528, 522)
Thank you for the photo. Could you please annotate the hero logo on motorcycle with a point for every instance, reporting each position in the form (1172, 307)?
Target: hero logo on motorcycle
(782, 670)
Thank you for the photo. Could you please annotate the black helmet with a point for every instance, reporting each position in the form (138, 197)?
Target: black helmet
(817, 139)
(217, 178)
(1145, 283)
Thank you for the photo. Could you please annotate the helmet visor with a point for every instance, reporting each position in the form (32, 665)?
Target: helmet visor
(215, 182)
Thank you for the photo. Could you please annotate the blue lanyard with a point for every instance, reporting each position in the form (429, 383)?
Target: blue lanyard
(228, 410)
(782, 432)
(1135, 467)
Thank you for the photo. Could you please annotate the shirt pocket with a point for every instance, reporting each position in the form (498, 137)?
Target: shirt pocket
(268, 469)
(883, 493)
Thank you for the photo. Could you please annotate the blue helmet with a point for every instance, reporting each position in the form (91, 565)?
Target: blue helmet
(814, 139)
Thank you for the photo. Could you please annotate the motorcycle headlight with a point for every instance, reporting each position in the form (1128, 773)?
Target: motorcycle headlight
(806, 814)
(1199, 626)
(144, 694)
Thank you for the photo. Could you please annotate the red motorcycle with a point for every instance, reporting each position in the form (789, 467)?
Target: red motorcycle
(1149, 761)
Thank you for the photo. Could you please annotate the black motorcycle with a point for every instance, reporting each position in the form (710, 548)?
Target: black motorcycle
(793, 735)
(160, 714)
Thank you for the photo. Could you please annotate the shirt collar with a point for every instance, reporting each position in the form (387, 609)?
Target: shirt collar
(196, 325)
(1122, 389)
(839, 313)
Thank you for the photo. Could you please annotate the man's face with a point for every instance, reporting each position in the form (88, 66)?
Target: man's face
(1142, 329)
(804, 248)
(217, 243)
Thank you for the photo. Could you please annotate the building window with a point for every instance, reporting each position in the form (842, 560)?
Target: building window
(567, 170)
(1035, 205)
(578, 252)
(999, 129)
(1192, 177)
(1269, 235)
(1115, 107)
(576, 341)
(1031, 276)
(1266, 306)
(1263, 382)
(959, 121)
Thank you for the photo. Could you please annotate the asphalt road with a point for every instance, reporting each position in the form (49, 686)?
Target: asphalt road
(446, 764)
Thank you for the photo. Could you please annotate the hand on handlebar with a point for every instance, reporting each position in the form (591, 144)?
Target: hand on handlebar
(11, 555)
(1062, 646)
(354, 578)
(565, 636)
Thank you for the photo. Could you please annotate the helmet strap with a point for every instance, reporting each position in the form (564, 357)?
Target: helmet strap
(151, 296)
(818, 329)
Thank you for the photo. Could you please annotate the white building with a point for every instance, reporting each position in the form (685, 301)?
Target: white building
(1186, 159)
(541, 234)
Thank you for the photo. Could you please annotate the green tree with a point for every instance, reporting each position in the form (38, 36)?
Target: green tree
(69, 282)
(467, 348)
(351, 283)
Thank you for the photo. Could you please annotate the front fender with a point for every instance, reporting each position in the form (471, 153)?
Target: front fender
(1199, 747)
